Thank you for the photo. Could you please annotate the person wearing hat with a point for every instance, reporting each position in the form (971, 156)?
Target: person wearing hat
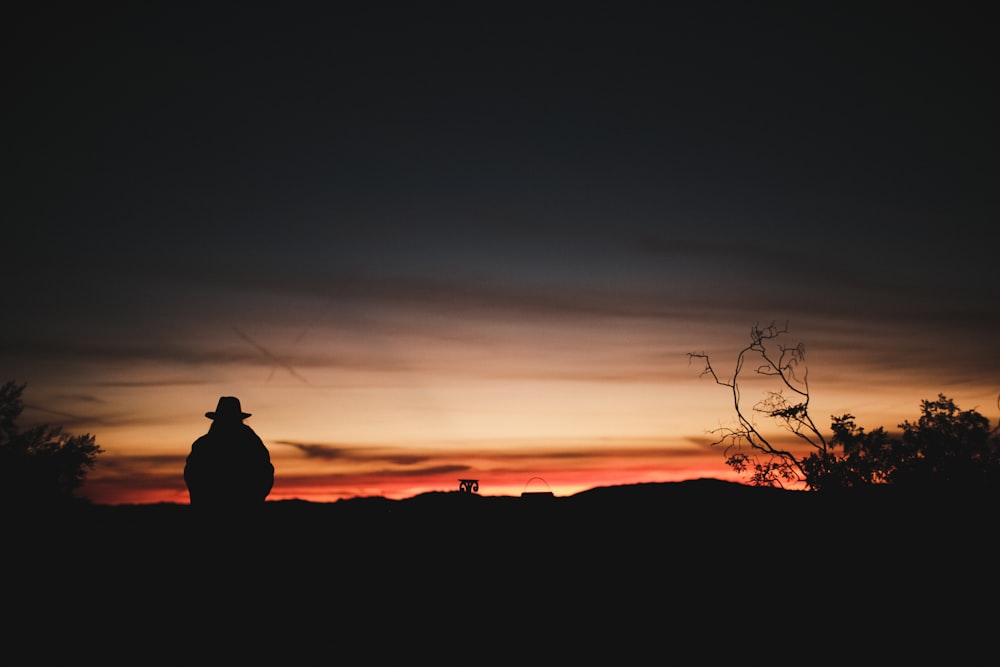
(229, 467)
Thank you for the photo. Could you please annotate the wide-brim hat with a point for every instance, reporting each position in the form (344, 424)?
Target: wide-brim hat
(229, 406)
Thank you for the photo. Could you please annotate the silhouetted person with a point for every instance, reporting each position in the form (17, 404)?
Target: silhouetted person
(229, 468)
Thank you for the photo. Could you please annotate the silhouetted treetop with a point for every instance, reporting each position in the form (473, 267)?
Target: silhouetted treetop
(945, 448)
(41, 465)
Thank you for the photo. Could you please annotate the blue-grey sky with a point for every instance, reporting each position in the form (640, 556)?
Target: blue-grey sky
(425, 198)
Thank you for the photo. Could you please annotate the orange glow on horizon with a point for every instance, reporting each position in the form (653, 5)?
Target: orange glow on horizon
(401, 489)
(397, 433)
(496, 478)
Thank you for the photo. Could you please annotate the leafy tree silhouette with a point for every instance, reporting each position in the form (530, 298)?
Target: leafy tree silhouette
(945, 448)
(42, 465)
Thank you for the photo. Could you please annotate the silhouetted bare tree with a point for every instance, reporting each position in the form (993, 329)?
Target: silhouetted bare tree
(946, 447)
(40, 465)
(768, 463)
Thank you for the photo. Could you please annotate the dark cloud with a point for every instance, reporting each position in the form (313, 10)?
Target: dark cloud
(578, 197)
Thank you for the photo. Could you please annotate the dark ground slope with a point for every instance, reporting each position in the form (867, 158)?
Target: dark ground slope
(701, 521)
(619, 568)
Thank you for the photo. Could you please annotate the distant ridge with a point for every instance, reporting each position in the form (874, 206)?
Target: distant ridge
(651, 490)
(614, 492)
(638, 492)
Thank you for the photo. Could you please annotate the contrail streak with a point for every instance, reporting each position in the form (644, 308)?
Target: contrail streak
(275, 360)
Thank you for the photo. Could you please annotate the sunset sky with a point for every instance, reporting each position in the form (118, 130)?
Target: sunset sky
(423, 243)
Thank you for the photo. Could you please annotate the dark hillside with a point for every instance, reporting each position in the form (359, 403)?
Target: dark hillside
(710, 509)
(641, 564)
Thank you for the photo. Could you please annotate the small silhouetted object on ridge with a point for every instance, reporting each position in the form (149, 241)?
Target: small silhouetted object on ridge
(229, 468)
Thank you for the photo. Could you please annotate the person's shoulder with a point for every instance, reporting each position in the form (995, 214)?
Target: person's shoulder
(249, 432)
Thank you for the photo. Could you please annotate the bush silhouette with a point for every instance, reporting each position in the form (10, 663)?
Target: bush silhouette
(945, 448)
(42, 465)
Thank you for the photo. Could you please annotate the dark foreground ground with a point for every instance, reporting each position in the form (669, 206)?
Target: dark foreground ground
(610, 575)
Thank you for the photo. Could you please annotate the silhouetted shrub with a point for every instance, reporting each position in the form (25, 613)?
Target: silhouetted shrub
(946, 448)
(42, 465)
